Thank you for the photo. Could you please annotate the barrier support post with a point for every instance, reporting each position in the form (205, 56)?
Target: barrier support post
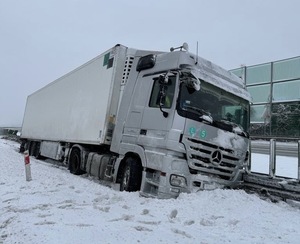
(299, 160)
(27, 166)
(272, 159)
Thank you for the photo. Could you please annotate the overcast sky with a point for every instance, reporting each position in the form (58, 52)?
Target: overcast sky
(42, 40)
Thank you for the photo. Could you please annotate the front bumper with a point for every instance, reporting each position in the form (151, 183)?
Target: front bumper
(157, 182)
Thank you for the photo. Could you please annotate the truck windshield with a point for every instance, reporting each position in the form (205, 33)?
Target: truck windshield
(214, 106)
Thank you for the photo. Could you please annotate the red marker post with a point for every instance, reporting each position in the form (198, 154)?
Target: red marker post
(27, 166)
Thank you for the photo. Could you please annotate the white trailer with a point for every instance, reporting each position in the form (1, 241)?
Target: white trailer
(81, 106)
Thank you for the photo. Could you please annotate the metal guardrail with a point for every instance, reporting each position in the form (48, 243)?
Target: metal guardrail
(270, 184)
(289, 149)
(277, 138)
(272, 160)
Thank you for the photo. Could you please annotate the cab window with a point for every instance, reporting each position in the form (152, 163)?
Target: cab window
(162, 93)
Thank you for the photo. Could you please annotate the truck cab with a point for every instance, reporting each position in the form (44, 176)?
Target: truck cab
(184, 121)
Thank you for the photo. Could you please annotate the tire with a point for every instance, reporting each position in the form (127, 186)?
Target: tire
(131, 175)
(22, 146)
(75, 161)
(36, 152)
(32, 148)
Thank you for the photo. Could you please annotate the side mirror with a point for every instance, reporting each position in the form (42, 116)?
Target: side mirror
(164, 79)
(162, 97)
(191, 80)
(194, 83)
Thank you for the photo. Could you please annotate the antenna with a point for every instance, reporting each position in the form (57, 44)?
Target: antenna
(197, 54)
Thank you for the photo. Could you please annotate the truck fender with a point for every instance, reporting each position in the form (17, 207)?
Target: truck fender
(126, 149)
(134, 151)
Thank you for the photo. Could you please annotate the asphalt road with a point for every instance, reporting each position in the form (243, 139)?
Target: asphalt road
(289, 149)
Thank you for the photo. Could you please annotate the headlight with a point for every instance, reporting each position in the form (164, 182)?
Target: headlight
(177, 180)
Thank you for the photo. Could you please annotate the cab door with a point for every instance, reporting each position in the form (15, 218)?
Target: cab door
(159, 109)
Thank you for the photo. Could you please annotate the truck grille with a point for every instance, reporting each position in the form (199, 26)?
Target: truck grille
(211, 159)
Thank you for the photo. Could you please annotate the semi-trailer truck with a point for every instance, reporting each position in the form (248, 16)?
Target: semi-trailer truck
(161, 123)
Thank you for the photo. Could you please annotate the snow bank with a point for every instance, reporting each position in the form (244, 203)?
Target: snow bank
(57, 207)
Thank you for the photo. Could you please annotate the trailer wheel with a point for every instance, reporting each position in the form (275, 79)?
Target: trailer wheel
(75, 161)
(23, 146)
(31, 148)
(131, 175)
(36, 151)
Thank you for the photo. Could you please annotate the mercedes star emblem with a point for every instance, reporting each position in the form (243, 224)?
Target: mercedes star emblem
(216, 157)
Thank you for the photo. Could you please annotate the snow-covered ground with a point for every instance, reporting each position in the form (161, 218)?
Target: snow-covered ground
(58, 207)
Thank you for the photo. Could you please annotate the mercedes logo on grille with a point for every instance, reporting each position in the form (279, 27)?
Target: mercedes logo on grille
(216, 157)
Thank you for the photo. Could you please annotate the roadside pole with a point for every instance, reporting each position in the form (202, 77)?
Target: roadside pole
(299, 160)
(272, 159)
(27, 166)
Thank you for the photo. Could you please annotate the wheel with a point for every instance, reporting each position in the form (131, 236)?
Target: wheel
(23, 146)
(31, 147)
(36, 150)
(131, 175)
(75, 161)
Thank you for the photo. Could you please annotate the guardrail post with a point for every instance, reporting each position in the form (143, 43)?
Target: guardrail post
(299, 160)
(272, 158)
(27, 166)
(248, 166)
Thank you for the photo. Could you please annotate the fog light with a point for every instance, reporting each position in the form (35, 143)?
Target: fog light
(177, 180)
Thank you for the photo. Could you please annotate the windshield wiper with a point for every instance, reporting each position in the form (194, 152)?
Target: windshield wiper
(203, 115)
(199, 110)
(231, 126)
